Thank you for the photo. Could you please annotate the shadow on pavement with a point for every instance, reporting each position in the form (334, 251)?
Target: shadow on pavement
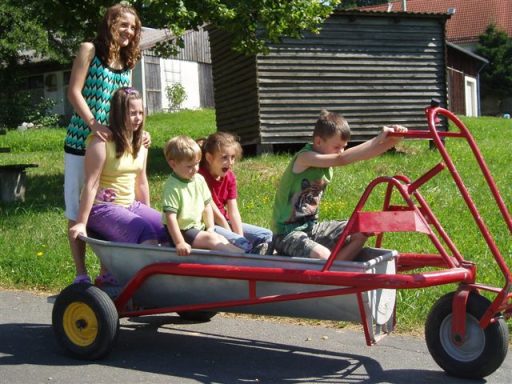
(161, 345)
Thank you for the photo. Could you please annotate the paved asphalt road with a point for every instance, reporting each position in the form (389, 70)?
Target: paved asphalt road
(164, 349)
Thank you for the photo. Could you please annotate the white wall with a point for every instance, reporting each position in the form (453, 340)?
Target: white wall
(172, 71)
(471, 96)
(187, 74)
(55, 89)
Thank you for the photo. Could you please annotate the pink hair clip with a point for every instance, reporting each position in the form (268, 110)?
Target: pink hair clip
(131, 91)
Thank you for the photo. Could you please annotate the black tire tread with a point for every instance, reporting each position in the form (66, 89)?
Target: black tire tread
(496, 339)
(105, 311)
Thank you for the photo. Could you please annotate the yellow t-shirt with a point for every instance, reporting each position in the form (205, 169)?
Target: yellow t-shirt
(117, 180)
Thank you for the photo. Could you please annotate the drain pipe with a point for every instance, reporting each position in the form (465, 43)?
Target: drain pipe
(404, 5)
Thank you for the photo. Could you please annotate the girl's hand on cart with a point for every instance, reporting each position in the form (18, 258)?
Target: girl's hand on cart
(183, 249)
(77, 229)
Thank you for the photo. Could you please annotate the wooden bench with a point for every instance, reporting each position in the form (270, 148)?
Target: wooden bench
(4, 149)
(13, 179)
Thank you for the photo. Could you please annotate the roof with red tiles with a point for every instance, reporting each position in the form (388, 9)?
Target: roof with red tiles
(470, 19)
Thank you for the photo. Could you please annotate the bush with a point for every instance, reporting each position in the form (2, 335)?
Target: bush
(22, 109)
(177, 95)
(42, 114)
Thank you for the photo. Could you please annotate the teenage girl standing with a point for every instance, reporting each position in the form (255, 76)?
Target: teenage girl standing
(100, 67)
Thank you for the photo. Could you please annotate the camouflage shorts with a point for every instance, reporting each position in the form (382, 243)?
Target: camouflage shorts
(300, 243)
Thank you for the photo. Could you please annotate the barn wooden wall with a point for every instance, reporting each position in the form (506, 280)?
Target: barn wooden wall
(375, 69)
(235, 89)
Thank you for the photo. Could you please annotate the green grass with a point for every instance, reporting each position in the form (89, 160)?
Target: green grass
(33, 241)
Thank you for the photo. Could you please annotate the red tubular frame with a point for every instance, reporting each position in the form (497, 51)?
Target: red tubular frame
(452, 268)
(502, 302)
(350, 281)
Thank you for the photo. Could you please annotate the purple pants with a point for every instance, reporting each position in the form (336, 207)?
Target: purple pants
(134, 224)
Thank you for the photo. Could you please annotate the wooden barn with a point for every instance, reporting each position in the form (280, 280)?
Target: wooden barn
(190, 67)
(464, 69)
(469, 19)
(375, 68)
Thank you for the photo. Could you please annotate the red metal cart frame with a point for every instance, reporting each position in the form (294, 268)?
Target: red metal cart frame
(414, 215)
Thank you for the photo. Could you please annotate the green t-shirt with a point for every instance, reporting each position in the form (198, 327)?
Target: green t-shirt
(186, 198)
(298, 196)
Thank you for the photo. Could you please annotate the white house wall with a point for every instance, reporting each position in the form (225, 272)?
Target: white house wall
(54, 89)
(171, 71)
(138, 78)
(187, 74)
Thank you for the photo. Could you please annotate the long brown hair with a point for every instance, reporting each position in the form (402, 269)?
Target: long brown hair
(216, 142)
(119, 108)
(106, 44)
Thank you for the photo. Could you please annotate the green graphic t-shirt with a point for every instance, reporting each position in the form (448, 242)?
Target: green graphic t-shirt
(298, 196)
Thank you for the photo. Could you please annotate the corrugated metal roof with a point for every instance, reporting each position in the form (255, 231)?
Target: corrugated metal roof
(380, 10)
(150, 36)
(469, 53)
(196, 44)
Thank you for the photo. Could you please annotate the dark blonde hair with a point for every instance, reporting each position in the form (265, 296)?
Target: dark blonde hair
(216, 142)
(330, 124)
(182, 148)
(105, 42)
(119, 115)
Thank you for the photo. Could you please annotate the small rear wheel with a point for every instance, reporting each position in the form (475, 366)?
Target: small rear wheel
(85, 321)
(199, 316)
(482, 351)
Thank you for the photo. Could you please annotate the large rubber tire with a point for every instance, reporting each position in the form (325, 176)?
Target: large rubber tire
(198, 316)
(483, 350)
(85, 321)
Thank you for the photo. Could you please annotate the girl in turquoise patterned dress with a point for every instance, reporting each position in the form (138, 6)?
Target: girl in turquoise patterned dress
(100, 67)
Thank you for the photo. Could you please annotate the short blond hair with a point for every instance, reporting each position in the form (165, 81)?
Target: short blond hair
(331, 124)
(182, 148)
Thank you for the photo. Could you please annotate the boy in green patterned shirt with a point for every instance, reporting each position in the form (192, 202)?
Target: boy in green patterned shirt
(297, 231)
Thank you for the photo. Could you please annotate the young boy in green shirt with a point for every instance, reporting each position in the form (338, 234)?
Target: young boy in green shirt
(297, 231)
(187, 212)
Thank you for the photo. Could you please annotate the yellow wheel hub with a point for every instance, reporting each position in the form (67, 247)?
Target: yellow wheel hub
(80, 324)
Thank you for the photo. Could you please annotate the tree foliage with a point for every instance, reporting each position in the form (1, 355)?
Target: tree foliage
(496, 77)
(54, 28)
(252, 22)
(19, 32)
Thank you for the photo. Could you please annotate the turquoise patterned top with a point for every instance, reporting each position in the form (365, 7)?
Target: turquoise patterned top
(101, 82)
